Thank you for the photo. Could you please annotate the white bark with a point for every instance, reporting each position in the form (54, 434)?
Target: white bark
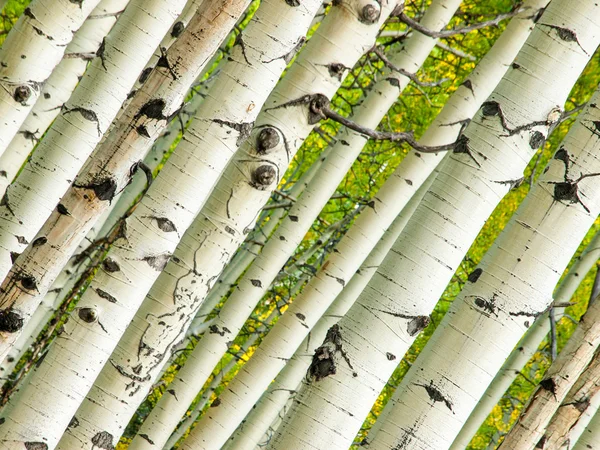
(345, 34)
(248, 252)
(257, 428)
(58, 88)
(530, 429)
(111, 166)
(528, 345)
(510, 287)
(288, 236)
(156, 225)
(590, 438)
(31, 51)
(576, 404)
(395, 307)
(29, 201)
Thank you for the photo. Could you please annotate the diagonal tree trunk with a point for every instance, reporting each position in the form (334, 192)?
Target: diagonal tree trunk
(58, 88)
(256, 429)
(576, 358)
(31, 51)
(528, 345)
(152, 231)
(574, 407)
(508, 290)
(345, 34)
(111, 167)
(29, 201)
(489, 156)
(590, 438)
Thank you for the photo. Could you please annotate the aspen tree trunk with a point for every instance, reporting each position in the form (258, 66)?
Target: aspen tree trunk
(590, 438)
(288, 236)
(31, 51)
(58, 88)
(528, 345)
(346, 33)
(490, 154)
(510, 288)
(256, 429)
(152, 231)
(309, 306)
(189, 421)
(111, 166)
(573, 409)
(29, 201)
(576, 357)
(582, 424)
(247, 253)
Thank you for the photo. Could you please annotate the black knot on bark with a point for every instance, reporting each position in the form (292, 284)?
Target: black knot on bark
(88, 315)
(315, 108)
(177, 29)
(10, 321)
(22, 94)
(264, 176)
(104, 189)
(490, 108)
(293, 3)
(370, 14)
(28, 282)
(267, 139)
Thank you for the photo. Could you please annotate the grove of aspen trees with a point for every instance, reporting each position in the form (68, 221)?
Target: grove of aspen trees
(299, 224)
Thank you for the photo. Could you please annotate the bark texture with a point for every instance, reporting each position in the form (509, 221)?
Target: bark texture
(31, 51)
(288, 117)
(83, 120)
(59, 87)
(488, 157)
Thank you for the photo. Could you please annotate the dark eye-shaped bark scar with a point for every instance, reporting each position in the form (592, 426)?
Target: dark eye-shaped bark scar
(336, 70)
(565, 34)
(244, 129)
(100, 53)
(485, 306)
(163, 61)
(462, 146)
(87, 114)
(435, 394)
(315, 103)
(263, 145)
(324, 362)
(568, 190)
(416, 324)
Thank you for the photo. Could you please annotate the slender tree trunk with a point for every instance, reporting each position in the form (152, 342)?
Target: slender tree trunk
(31, 51)
(590, 438)
(389, 314)
(111, 167)
(574, 408)
(528, 345)
(574, 360)
(152, 231)
(346, 33)
(510, 288)
(247, 253)
(58, 88)
(288, 236)
(29, 201)
(256, 429)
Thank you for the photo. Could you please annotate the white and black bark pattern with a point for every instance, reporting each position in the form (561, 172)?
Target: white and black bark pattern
(395, 306)
(257, 426)
(575, 407)
(83, 120)
(506, 292)
(257, 279)
(116, 159)
(289, 115)
(528, 345)
(577, 357)
(590, 438)
(150, 234)
(30, 53)
(59, 87)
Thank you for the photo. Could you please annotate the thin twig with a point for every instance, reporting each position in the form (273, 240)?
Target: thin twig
(403, 72)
